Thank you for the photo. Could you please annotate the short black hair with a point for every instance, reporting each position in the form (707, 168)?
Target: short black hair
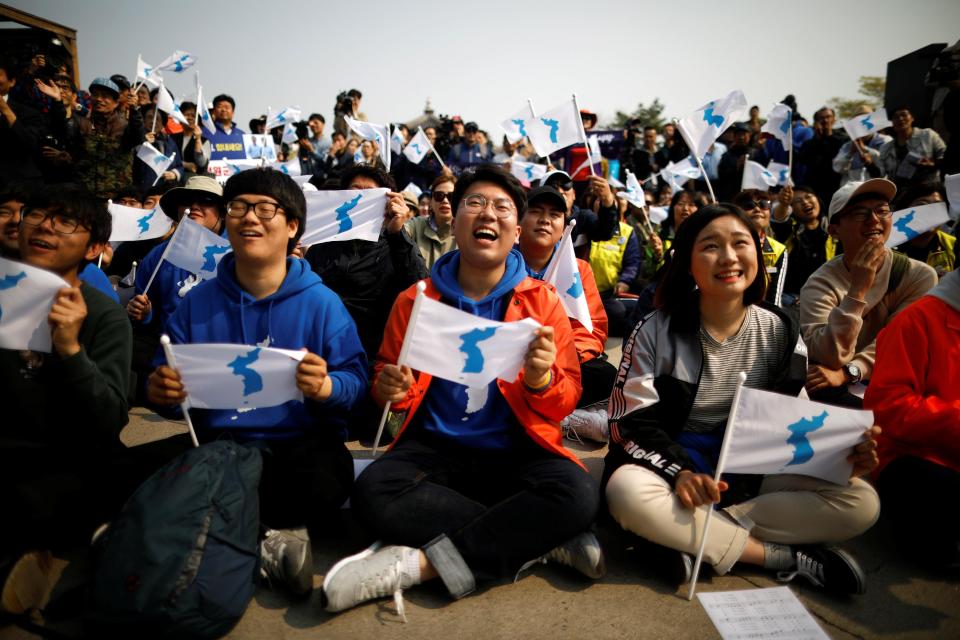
(78, 203)
(677, 293)
(224, 98)
(378, 175)
(355, 93)
(317, 116)
(497, 175)
(10, 66)
(15, 191)
(187, 105)
(121, 81)
(338, 134)
(699, 199)
(277, 185)
(128, 191)
(904, 198)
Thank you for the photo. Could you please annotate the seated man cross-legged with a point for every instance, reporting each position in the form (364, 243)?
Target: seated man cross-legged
(475, 494)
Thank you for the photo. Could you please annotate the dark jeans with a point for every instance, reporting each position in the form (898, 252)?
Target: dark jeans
(499, 509)
(918, 499)
(618, 312)
(597, 377)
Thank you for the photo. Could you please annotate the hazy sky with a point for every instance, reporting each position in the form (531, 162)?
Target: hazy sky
(483, 59)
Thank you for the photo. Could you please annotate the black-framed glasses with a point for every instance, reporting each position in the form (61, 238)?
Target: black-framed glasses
(440, 196)
(859, 214)
(62, 224)
(263, 209)
(475, 203)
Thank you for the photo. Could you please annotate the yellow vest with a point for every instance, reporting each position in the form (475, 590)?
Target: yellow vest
(606, 258)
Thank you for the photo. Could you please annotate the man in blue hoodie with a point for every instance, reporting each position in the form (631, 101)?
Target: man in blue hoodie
(478, 485)
(263, 297)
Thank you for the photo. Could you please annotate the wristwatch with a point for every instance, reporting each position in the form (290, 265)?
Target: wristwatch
(852, 372)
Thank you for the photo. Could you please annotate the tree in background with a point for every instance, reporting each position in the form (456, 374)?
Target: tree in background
(649, 115)
(871, 87)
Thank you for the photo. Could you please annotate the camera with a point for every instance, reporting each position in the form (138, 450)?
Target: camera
(302, 130)
(344, 104)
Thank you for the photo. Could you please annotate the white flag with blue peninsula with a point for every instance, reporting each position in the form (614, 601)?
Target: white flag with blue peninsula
(396, 140)
(757, 176)
(463, 348)
(634, 193)
(775, 433)
(778, 124)
(527, 171)
(290, 167)
(347, 214)
(157, 162)
(782, 172)
(130, 223)
(26, 295)
(562, 273)
(146, 72)
(909, 223)
(169, 106)
(282, 118)
(237, 376)
(177, 62)
(515, 127)
(418, 147)
(556, 128)
(376, 132)
(196, 249)
(701, 128)
(206, 120)
(867, 124)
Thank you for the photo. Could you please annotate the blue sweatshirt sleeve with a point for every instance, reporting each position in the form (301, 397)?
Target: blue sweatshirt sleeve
(346, 359)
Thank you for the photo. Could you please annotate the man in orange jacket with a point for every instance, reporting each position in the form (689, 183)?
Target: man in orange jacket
(475, 489)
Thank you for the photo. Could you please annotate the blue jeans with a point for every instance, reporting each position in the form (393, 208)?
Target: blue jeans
(498, 509)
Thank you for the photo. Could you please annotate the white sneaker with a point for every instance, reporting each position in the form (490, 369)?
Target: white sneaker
(581, 552)
(370, 574)
(590, 423)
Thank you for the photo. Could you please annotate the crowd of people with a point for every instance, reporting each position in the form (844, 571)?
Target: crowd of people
(793, 286)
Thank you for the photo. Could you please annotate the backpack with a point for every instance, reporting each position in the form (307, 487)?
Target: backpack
(181, 560)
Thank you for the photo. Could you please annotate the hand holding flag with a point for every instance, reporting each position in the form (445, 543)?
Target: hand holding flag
(130, 223)
(779, 124)
(867, 124)
(562, 273)
(26, 297)
(344, 215)
(157, 162)
(193, 248)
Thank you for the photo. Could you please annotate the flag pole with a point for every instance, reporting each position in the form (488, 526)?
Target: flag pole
(434, 149)
(721, 462)
(133, 271)
(790, 153)
(168, 352)
(554, 263)
(404, 348)
(583, 136)
(163, 256)
(706, 178)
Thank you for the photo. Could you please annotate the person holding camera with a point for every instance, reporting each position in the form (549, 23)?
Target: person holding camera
(347, 104)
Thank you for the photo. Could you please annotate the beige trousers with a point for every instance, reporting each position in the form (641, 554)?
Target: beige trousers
(790, 509)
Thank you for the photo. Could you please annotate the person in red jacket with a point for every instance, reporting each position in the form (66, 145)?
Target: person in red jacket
(915, 396)
(541, 229)
(478, 485)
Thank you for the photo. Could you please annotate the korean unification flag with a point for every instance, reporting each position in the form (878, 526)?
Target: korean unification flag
(418, 147)
(26, 295)
(556, 128)
(463, 348)
(130, 223)
(413, 189)
(146, 72)
(396, 141)
(701, 128)
(196, 249)
(169, 106)
(515, 127)
(909, 223)
(779, 123)
(290, 167)
(658, 214)
(157, 162)
(237, 376)
(757, 176)
(867, 124)
(206, 120)
(684, 170)
(177, 62)
(348, 214)
(376, 132)
(634, 193)
(282, 117)
(527, 171)
(775, 433)
(562, 273)
(782, 172)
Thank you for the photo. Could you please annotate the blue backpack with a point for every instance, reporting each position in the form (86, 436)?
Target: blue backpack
(182, 558)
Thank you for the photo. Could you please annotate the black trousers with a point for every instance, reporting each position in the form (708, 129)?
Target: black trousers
(499, 509)
(597, 377)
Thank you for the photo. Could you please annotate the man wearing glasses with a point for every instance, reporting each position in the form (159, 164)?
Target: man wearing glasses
(63, 410)
(264, 297)
(478, 485)
(848, 300)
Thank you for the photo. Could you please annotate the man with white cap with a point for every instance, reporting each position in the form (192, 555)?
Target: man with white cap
(848, 300)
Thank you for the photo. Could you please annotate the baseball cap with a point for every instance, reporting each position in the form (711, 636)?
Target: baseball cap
(106, 83)
(561, 175)
(547, 193)
(880, 186)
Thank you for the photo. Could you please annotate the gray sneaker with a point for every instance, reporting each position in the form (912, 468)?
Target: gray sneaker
(590, 423)
(372, 573)
(286, 557)
(582, 552)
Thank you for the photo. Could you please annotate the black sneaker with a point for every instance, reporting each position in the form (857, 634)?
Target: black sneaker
(286, 558)
(672, 566)
(830, 568)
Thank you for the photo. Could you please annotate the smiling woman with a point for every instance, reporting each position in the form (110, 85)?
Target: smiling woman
(711, 324)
